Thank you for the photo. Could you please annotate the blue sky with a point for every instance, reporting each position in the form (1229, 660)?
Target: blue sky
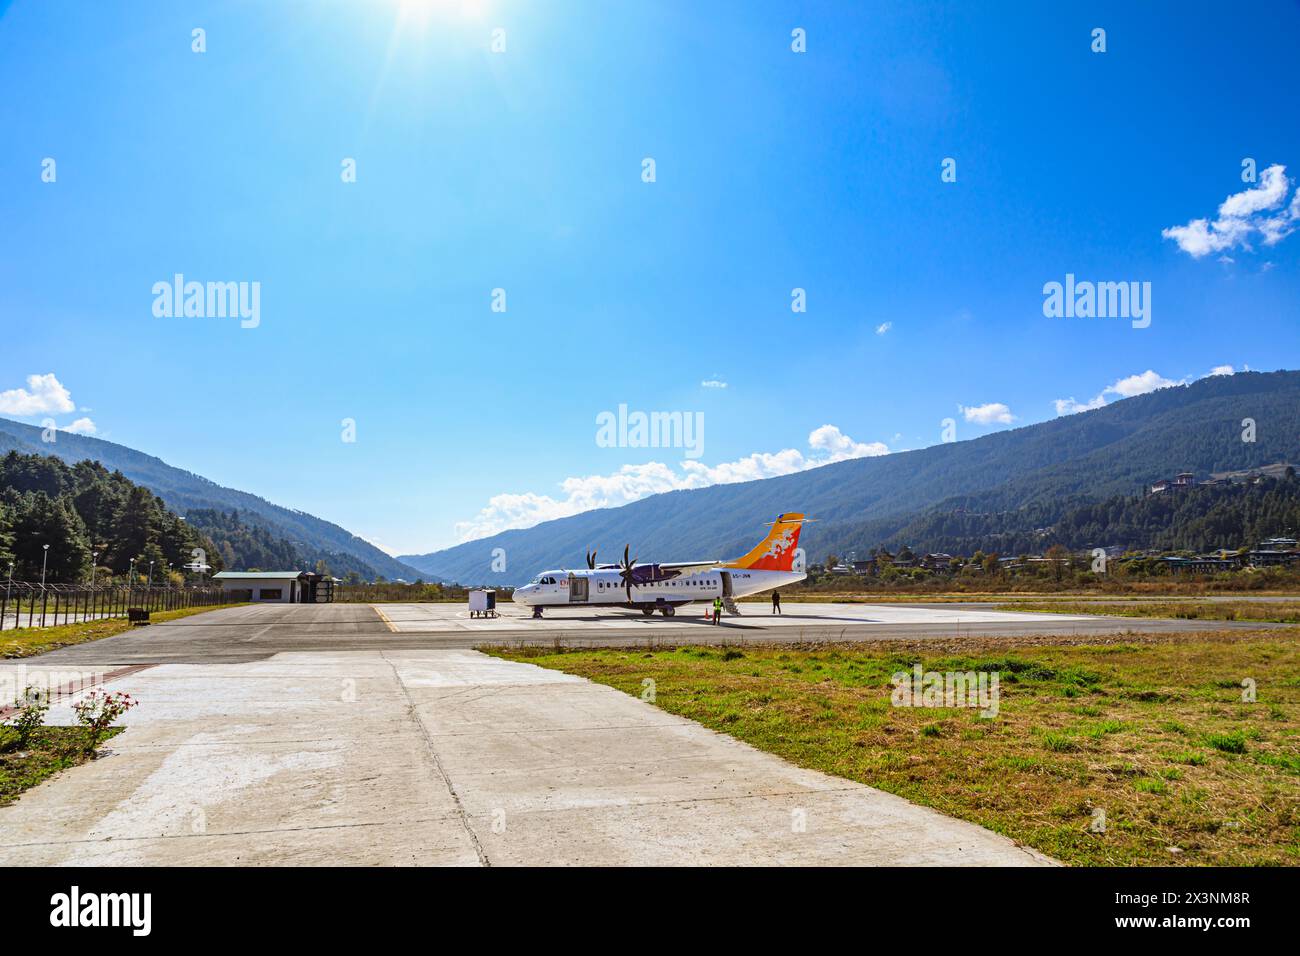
(522, 170)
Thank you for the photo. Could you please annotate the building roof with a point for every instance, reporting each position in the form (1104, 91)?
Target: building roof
(256, 575)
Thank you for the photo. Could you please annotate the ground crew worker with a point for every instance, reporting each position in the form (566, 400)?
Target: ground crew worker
(717, 610)
(776, 602)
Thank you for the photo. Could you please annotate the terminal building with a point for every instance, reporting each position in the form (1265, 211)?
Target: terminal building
(277, 587)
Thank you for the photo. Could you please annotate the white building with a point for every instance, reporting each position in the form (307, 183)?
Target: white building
(276, 587)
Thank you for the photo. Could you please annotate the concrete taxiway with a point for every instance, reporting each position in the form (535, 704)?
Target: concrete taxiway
(445, 757)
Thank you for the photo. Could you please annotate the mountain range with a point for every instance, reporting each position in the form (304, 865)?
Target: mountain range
(311, 539)
(1045, 470)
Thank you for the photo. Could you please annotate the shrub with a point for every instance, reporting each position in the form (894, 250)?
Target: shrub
(97, 711)
(31, 714)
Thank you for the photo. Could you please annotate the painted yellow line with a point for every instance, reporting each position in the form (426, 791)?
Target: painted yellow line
(391, 626)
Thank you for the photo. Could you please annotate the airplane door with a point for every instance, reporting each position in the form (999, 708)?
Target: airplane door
(726, 584)
(577, 590)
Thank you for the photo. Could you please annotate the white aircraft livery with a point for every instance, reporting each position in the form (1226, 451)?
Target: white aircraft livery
(666, 587)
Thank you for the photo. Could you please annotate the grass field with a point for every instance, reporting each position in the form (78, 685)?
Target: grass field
(1151, 731)
(28, 641)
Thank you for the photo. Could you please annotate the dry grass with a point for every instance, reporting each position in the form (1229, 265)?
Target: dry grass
(1286, 612)
(1150, 729)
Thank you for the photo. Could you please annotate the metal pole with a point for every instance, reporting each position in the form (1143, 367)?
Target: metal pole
(9, 586)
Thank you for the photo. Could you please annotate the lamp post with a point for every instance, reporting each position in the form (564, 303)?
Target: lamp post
(45, 558)
(150, 579)
(94, 556)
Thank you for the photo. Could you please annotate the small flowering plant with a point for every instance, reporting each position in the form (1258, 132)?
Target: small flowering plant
(97, 711)
(31, 714)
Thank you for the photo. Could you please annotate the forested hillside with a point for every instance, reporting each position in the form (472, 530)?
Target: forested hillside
(81, 509)
(1202, 519)
(314, 538)
(245, 547)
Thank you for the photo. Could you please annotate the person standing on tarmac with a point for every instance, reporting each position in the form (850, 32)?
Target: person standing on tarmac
(776, 602)
(717, 610)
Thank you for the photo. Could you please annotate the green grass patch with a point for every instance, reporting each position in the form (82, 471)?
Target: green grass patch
(1157, 735)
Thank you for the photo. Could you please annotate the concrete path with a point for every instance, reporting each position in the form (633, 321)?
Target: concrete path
(444, 757)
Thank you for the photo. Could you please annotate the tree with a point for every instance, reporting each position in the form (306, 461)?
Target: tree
(43, 520)
(1059, 555)
(135, 531)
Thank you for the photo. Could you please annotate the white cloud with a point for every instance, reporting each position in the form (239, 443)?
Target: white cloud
(840, 446)
(44, 395)
(1068, 406)
(1139, 384)
(632, 482)
(884, 327)
(1241, 216)
(993, 413)
(712, 383)
(82, 426)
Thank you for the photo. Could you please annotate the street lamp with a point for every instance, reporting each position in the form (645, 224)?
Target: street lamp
(150, 574)
(94, 556)
(45, 557)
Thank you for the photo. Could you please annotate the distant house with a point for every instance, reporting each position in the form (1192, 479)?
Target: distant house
(1203, 564)
(1270, 557)
(277, 587)
(937, 561)
(1180, 482)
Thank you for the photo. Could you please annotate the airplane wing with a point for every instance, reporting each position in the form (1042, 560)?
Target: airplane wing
(689, 567)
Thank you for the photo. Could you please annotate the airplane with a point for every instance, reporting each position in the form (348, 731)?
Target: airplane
(666, 587)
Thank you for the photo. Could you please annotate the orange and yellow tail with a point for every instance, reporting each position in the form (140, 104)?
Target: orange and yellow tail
(776, 551)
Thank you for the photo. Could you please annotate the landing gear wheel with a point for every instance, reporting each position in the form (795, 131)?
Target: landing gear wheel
(669, 611)
(648, 611)
(537, 613)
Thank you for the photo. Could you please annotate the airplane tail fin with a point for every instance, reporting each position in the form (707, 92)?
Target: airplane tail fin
(776, 551)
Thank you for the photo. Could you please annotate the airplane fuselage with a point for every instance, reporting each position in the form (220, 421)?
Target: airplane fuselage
(605, 586)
